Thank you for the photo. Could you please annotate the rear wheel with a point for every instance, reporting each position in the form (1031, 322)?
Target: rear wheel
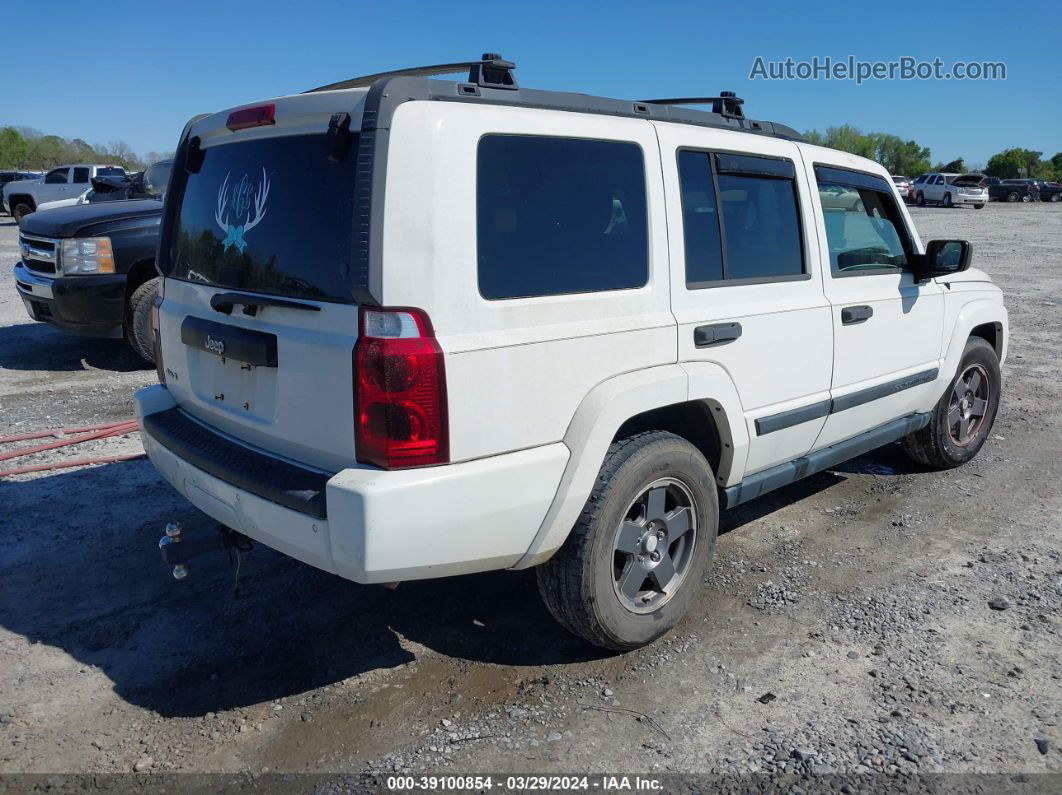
(964, 415)
(920, 199)
(1013, 196)
(979, 206)
(138, 323)
(635, 560)
(947, 200)
(1056, 197)
(20, 211)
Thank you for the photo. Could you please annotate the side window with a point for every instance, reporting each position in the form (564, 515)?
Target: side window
(57, 176)
(740, 218)
(81, 176)
(864, 229)
(560, 215)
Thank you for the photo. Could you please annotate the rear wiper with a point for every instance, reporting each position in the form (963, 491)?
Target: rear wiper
(224, 302)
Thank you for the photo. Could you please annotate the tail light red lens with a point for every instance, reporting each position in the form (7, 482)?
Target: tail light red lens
(400, 415)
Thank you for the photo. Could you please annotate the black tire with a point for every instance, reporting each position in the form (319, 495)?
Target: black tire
(947, 200)
(20, 211)
(979, 207)
(579, 583)
(1013, 196)
(920, 199)
(936, 445)
(1056, 197)
(138, 321)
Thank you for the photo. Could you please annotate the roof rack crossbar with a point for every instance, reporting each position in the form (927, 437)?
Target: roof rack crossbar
(491, 71)
(727, 104)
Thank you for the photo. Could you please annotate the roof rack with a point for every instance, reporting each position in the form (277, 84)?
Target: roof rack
(727, 104)
(491, 71)
(491, 81)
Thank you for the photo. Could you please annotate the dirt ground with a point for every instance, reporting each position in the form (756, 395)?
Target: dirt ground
(859, 599)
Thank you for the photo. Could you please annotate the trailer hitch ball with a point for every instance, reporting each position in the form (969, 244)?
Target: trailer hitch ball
(180, 571)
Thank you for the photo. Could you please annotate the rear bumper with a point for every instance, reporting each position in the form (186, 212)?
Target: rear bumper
(371, 525)
(89, 305)
(964, 198)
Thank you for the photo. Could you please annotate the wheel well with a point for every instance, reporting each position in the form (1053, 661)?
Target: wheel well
(692, 421)
(992, 333)
(137, 275)
(20, 198)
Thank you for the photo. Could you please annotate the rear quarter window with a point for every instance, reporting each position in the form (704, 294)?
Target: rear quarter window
(560, 215)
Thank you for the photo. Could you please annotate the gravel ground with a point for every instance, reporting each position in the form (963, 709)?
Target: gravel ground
(873, 618)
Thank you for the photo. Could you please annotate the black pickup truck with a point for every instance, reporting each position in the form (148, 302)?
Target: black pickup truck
(1013, 190)
(90, 268)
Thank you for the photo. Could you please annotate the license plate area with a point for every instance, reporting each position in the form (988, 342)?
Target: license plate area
(232, 369)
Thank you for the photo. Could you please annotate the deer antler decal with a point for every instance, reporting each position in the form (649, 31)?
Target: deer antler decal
(234, 232)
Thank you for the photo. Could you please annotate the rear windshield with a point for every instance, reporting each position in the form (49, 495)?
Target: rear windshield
(110, 171)
(272, 215)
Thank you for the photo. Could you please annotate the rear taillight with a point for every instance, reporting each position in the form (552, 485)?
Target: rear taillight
(156, 334)
(400, 417)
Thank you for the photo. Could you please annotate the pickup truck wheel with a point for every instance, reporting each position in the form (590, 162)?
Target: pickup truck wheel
(964, 415)
(947, 200)
(1013, 196)
(138, 324)
(1056, 197)
(920, 199)
(20, 211)
(979, 207)
(636, 558)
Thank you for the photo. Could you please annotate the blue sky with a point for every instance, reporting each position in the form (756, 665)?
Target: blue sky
(137, 71)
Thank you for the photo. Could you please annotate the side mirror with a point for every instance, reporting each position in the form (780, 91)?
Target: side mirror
(944, 258)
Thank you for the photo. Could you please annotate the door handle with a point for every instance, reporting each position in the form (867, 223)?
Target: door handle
(716, 334)
(852, 315)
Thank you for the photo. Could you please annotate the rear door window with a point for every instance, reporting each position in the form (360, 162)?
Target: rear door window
(740, 219)
(81, 176)
(269, 215)
(560, 215)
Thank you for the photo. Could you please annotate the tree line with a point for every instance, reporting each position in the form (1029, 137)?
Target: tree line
(909, 159)
(26, 149)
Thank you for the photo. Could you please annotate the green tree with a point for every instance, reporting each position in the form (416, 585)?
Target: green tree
(14, 150)
(849, 139)
(1016, 162)
(956, 166)
(900, 156)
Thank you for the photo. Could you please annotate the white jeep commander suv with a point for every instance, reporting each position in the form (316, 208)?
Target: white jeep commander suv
(413, 328)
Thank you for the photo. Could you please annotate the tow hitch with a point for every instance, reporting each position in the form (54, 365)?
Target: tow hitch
(177, 547)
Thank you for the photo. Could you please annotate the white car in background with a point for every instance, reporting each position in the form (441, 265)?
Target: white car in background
(949, 190)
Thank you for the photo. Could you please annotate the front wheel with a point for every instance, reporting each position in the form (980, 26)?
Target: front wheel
(1013, 196)
(979, 207)
(964, 415)
(20, 211)
(138, 321)
(635, 560)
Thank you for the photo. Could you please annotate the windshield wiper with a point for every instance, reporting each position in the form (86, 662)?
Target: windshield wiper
(224, 302)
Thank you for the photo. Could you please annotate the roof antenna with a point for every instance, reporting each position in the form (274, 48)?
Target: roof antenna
(493, 72)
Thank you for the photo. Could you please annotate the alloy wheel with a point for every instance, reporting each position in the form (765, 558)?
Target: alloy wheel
(969, 404)
(654, 546)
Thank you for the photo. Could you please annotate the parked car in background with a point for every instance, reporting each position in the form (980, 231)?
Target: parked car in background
(65, 182)
(140, 185)
(90, 269)
(14, 176)
(950, 190)
(1015, 190)
(458, 352)
(1049, 191)
(905, 187)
